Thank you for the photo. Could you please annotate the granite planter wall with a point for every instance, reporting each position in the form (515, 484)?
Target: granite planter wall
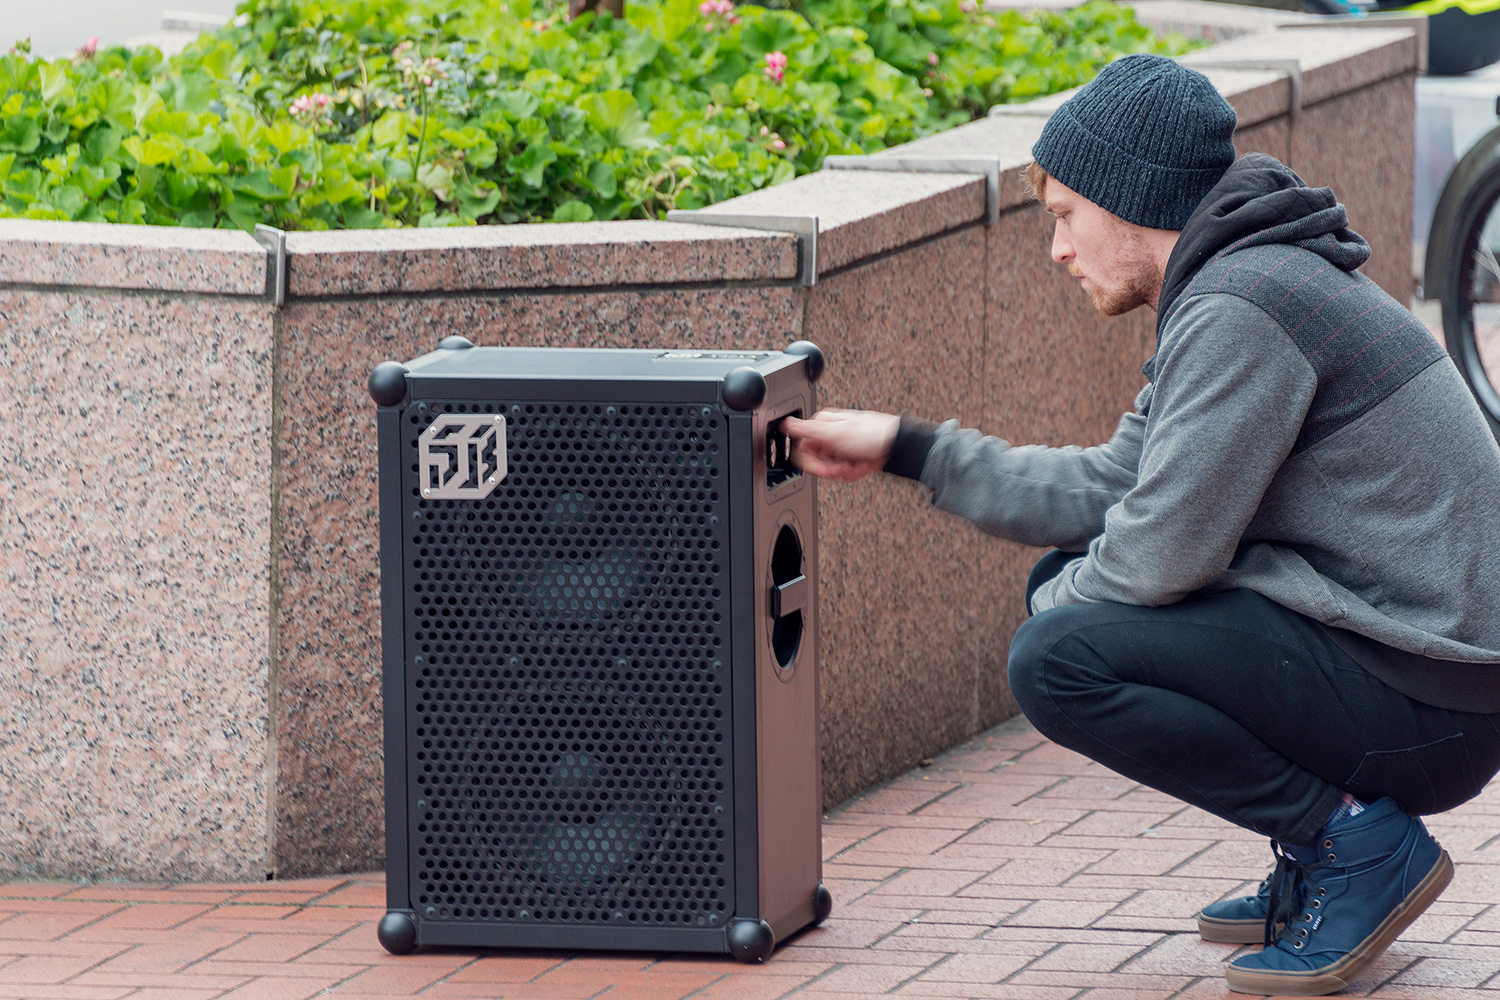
(187, 498)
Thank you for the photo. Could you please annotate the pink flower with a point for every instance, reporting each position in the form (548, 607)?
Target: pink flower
(775, 68)
(717, 13)
(88, 48)
(932, 58)
(311, 106)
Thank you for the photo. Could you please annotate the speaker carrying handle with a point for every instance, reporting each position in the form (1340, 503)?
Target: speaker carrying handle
(789, 597)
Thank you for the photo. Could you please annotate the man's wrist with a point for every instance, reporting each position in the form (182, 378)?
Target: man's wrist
(908, 455)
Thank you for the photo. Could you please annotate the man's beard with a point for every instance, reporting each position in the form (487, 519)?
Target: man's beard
(1123, 300)
(1133, 261)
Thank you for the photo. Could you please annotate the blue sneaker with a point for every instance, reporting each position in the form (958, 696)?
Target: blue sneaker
(1352, 892)
(1241, 920)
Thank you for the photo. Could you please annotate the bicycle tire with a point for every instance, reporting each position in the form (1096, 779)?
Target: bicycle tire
(1469, 199)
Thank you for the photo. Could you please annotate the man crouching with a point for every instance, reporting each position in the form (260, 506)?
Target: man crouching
(1275, 591)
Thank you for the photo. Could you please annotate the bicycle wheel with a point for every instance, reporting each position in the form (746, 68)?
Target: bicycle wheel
(1463, 269)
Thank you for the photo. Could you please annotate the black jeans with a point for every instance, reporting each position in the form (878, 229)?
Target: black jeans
(1241, 707)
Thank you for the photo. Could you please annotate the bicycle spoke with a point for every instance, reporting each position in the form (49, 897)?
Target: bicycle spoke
(1484, 256)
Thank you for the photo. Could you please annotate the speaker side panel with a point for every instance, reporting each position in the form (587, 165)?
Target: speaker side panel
(788, 753)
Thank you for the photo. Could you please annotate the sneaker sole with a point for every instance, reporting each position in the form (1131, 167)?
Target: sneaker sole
(1231, 931)
(1335, 977)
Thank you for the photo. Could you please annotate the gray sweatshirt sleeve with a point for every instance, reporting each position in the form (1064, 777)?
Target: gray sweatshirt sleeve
(1230, 396)
(1032, 494)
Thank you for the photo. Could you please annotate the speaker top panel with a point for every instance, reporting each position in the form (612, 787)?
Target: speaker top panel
(584, 363)
(459, 369)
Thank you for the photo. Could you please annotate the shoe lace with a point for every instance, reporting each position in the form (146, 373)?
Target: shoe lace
(1286, 884)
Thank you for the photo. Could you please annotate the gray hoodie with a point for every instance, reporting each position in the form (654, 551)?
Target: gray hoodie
(1301, 435)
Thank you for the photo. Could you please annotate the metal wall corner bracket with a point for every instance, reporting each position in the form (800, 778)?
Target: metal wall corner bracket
(803, 226)
(1291, 67)
(987, 167)
(274, 240)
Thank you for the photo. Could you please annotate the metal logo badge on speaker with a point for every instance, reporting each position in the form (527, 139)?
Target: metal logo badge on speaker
(462, 456)
(598, 588)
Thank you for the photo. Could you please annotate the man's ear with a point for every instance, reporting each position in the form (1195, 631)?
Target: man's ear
(1035, 180)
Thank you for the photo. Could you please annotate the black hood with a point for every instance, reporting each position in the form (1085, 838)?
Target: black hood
(1259, 200)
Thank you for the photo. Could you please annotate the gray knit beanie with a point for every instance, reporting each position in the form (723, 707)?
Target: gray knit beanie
(1145, 139)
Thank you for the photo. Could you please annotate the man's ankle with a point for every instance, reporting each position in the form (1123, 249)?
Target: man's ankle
(1349, 808)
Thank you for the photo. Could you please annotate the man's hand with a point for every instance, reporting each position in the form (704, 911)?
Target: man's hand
(842, 444)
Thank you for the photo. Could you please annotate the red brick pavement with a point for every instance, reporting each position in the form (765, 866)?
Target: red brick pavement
(1009, 868)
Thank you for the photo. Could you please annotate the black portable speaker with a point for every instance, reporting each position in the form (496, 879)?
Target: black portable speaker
(599, 617)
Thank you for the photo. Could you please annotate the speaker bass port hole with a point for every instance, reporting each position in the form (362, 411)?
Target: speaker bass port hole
(790, 593)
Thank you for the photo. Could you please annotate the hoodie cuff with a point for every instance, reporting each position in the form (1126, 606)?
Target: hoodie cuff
(914, 439)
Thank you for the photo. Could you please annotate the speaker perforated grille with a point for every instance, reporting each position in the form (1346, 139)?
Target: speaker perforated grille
(568, 719)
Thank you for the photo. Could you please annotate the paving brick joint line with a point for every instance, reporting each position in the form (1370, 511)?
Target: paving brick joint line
(1006, 868)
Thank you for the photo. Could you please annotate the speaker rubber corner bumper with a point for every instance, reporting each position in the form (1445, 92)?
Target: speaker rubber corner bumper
(751, 940)
(397, 932)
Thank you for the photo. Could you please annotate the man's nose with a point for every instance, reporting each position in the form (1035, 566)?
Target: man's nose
(1062, 249)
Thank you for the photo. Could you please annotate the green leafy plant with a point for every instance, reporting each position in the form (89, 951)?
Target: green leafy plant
(317, 114)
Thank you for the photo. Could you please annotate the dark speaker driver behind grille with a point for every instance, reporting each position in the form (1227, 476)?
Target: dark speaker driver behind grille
(611, 578)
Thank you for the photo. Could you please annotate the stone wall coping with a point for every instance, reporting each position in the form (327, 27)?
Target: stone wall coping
(1215, 21)
(542, 255)
(1257, 95)
(864, 213)
(152, 258)
(1333, 60)
(861, 213)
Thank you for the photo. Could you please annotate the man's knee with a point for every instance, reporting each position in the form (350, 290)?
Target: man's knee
(1042, 657)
